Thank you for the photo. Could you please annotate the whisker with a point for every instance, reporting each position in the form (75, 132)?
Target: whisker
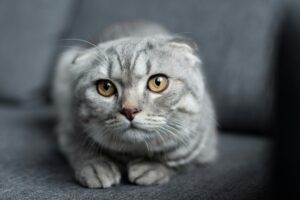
(179, 123)
(156, 120)
(79, 40)
(146, 143)
(86, 42)
(155, 115)
(160, 136)
(117, 125)
(179, 139)
(111, 123)
(68, 46)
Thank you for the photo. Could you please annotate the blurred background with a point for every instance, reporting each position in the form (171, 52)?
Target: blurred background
(251, 56)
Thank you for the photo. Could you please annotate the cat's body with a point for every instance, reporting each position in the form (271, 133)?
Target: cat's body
(137, 128)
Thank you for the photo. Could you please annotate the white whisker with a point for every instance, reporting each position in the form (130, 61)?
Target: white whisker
(178, 137)
(86, 42)
(79, 40)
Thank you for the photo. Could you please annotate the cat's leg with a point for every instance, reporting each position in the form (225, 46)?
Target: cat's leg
(93, 170)
(143, 172)
(97, 173)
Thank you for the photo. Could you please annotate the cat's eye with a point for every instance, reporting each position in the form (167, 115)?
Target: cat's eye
(106, 88)
(158, 83)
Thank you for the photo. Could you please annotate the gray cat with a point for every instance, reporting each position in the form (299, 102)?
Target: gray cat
(134, 104)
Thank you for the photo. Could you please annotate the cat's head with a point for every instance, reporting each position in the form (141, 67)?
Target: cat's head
(137, 90)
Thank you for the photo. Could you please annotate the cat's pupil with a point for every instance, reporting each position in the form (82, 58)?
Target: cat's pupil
(158, 81)
(106, 85)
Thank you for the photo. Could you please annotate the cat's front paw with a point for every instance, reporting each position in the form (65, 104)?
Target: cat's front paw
(148, 173)
(98, 174)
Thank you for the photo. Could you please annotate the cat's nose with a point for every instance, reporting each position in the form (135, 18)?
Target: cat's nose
(129, 113)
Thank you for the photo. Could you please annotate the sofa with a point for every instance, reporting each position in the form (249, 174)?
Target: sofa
(239, 43)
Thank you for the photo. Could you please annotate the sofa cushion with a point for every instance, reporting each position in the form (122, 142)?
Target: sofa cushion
(29, 35)
(31, 167)
(236, 42)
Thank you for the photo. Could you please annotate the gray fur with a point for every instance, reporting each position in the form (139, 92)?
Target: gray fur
(175, 128)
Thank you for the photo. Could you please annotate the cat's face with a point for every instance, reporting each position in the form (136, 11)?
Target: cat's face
(135, 90)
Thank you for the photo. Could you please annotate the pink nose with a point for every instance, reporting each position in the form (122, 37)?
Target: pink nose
(129, 113)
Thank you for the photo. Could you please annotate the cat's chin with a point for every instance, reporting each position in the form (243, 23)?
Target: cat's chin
(136, 134)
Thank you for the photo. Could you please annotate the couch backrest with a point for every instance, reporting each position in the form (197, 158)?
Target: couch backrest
(235, 38)
(29, 34)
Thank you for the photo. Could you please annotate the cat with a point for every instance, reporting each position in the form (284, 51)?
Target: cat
(134, 103)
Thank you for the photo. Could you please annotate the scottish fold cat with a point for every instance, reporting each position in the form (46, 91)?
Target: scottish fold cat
(133, 104)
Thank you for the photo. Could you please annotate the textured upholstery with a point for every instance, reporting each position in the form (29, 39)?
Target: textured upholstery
(32, 168)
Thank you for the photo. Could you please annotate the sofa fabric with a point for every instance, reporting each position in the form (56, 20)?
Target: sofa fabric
(29, 34)
(31, 167)
(236, 41)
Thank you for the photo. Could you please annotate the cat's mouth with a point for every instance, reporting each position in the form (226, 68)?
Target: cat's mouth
(137, 127)
(135, 133)
(134, 126)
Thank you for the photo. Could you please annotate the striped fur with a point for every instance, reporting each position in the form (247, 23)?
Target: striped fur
(174, 128)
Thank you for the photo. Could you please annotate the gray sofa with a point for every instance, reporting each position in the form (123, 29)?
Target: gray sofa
(237, 41)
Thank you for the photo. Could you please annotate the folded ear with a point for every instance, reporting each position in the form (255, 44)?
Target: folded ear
(73, 60)
(82, 55)
(182, 42)
(189, 46)
(69, 56)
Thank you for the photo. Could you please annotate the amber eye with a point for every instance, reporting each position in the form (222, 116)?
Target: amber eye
(157, 83)
(106, 88)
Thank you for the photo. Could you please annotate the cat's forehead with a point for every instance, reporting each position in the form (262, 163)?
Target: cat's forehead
(130, 58)
(128, 47)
